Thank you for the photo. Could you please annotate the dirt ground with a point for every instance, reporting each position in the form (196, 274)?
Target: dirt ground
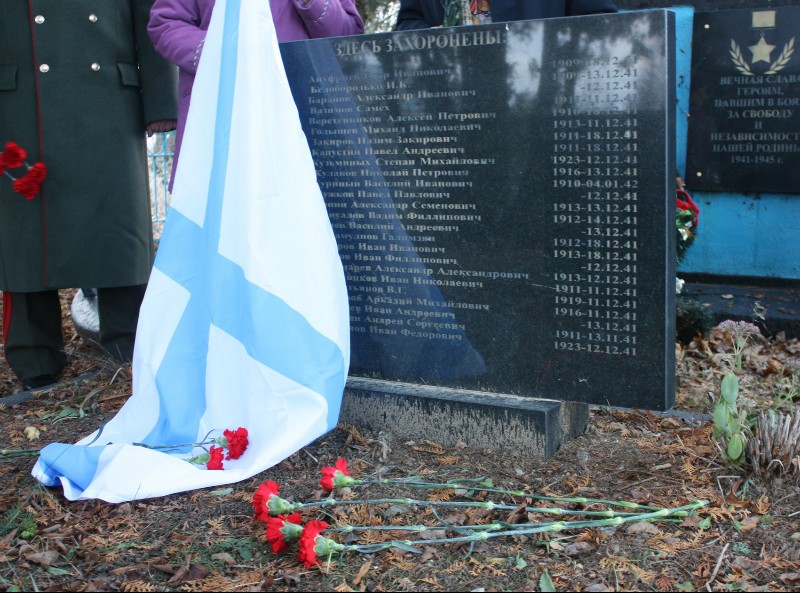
(747, 537)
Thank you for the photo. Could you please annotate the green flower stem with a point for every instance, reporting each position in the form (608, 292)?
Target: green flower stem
(168, 447)
(202, 443)
(418, 528)
(480, 484)
(521, 493)
(18, 452)
(328, 502)
(495, 526)
(538, 528)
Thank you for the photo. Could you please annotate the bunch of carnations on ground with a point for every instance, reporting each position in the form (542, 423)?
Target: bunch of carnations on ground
(286, 526)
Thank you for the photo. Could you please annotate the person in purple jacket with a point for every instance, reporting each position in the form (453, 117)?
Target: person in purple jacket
(424, 14)
(178, 30)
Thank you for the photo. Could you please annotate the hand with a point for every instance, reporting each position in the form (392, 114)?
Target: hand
(162, 125)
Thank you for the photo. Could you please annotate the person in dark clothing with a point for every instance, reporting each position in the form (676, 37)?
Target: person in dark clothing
(424, 14)
(80, 85)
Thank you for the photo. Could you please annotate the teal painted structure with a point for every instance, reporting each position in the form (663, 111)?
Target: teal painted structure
(756, 235)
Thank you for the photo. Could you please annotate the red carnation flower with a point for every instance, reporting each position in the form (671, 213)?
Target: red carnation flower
(14, 155)
(283, 529)
(267, 503)
(37, 172)
(236, 442)
(307, 554)
(27, 187)
(685, 202)
(216, 456)
(336, 477)
(261, 499)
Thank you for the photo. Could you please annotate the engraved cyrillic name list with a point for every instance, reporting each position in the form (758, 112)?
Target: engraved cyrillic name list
(502, 199)
(595, 181)
(397, 182)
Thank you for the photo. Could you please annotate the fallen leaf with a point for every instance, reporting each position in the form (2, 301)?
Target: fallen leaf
(749, 523)
(362, 572)
(546, 583)
(642, 527)
(98, 584)
(290, 578)
(747, 564)
(692, 521)
(433, 534)
(31, 433)
(225, 557)
(428, 554)
(188, 572)
(518, 515)
(790, 579)
(43, 558)
(578, 548)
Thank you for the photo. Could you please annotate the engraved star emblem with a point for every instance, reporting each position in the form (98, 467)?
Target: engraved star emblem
(761, 51)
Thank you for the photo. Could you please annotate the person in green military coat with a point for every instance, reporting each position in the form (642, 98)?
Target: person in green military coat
(80, 84)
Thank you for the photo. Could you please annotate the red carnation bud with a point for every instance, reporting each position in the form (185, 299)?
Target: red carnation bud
(307, 553)
(14, 155)
(27, 187)
(282, 529)
(336, 477)
(235, 441)
(266, 502)
(216, 455)
(37, 173)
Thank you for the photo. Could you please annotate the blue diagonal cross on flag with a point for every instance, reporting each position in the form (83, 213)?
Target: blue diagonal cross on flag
(245, 321)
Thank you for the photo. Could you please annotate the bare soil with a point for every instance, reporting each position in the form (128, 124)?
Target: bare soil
(747, 537)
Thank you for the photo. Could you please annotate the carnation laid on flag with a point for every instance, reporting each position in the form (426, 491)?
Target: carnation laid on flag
(245, 321)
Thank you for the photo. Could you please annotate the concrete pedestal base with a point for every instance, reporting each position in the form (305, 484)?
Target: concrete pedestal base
(534, 427)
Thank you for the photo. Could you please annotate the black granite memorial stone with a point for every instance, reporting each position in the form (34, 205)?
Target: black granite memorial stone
(503, 202)
(744, 124)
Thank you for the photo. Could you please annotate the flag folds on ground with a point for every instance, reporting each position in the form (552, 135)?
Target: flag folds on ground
(245, 321)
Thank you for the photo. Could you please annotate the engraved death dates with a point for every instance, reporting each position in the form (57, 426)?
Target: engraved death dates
(595, 218)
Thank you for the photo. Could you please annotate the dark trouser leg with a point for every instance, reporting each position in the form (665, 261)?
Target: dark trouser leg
(34, 344)
(118, 310)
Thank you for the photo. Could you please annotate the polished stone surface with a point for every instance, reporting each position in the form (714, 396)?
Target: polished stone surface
(744, 124)
(503, 200)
